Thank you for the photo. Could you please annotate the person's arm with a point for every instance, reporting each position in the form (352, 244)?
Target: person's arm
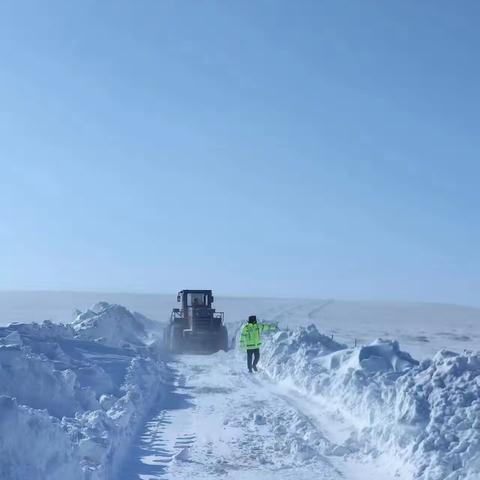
(243, 338)
(265, 327)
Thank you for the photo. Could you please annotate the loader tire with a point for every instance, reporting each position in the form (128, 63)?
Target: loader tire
(223, 339)
(176, 339)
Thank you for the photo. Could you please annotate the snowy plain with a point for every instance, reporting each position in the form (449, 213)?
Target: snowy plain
(112, 405)
(421, 328)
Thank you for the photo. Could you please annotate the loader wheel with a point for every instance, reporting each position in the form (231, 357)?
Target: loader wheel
(223, 339)
(176, 339)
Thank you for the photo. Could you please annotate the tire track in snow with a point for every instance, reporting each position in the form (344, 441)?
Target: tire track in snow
(312, 314)
(164, 439)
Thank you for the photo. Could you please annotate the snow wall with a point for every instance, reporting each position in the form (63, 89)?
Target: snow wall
(425, 414)
(73, 396)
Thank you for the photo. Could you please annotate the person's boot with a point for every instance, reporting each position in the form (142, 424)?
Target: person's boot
(255, 369)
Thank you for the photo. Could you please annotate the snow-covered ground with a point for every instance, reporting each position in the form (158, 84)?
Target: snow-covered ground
(96, 399)
(317, 410)
(424, 415)
(221, 421)
(72, 396)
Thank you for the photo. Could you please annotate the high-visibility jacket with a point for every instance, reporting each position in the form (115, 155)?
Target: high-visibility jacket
(251, 334)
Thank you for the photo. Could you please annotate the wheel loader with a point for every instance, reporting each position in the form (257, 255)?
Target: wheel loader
(195, 327)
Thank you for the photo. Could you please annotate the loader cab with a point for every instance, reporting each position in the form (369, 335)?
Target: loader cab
(195, 299)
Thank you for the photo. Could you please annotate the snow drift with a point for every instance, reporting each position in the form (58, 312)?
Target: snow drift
(114, 325)
(72, 396)
(427, 414)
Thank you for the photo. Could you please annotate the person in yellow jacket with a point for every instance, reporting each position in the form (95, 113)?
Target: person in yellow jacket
(250, 340)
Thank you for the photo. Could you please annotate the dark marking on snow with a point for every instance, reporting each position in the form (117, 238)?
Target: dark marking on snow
(216, 390)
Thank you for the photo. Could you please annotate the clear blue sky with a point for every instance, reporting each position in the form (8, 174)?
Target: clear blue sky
(311, 148)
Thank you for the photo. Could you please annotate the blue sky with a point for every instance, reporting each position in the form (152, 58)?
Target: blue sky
(312, 148)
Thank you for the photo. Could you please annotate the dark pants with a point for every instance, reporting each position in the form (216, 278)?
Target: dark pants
(255, 353)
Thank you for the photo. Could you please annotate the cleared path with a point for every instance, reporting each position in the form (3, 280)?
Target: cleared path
(219, 421)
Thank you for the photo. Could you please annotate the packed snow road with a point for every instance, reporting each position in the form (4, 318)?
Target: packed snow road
(219, 420)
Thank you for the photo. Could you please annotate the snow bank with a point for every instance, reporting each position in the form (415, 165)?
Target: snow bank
(113, 325)
(427, 414)
(72, 396)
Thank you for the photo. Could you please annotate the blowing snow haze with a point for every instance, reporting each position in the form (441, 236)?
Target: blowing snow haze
(305, 174)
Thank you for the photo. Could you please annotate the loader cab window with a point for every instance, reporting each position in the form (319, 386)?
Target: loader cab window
(196, 300)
